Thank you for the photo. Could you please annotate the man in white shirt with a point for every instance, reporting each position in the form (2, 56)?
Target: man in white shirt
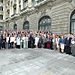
(12, 39)
(7, 41)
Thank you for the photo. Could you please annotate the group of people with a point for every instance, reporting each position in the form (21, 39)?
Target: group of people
(10, 39)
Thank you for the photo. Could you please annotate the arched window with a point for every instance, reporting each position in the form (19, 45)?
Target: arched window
(15, 26)
(72, 23)
(44, 23)
(26, 25)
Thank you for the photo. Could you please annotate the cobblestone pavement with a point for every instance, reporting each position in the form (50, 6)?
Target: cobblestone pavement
(36, 62)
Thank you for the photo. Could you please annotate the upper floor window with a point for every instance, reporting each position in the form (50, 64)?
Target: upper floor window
(44, 23)
(8, 3)
(26, 25)
(34, 2)
(11, 3)
(15, 26)
(1, 1)
(19, 1)
(25, 3)
(1, 17)
(8, 12)
(1, 8)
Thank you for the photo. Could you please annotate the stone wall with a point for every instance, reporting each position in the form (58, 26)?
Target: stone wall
(60, 18)
(59, 14)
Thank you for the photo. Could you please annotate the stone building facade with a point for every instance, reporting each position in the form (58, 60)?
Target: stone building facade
(57, 16)
(1, 14)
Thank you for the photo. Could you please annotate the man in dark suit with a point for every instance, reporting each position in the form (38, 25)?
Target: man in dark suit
(31, 41)
(67, 45)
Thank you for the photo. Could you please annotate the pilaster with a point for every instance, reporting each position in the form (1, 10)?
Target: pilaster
(17, 8)
(21, 4)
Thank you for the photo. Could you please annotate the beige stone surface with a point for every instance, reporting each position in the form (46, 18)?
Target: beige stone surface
(59, 12)
(36, 62)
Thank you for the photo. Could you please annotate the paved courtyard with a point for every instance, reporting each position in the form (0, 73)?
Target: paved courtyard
(36, 62)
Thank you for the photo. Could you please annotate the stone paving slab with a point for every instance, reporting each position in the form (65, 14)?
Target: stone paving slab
(36, 62)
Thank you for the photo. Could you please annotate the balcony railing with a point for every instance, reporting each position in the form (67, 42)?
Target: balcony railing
(14, 15)
(24, 9)
(38, 3)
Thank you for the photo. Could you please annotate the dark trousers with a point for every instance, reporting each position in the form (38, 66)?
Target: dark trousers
(40, 45)
(18, 46)
(11, 45)
(67, 49)
(0, 45)
(3, 45)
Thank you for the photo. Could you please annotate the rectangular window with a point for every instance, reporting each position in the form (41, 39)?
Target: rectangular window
(25, 3)
(8, 3)
(1, 1)
(1, 17)
(1, 8)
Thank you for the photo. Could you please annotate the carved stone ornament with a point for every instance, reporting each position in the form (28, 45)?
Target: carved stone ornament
(50, 3)
(43, 12)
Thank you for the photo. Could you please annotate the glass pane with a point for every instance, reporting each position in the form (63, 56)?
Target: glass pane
(74, 32)
(26, 25)
(45, 23)
(73, 17)
(73, 27)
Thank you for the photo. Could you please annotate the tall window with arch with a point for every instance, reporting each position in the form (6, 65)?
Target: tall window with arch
(72, 23)
(26, 25)
(15, 26)
(44, 23)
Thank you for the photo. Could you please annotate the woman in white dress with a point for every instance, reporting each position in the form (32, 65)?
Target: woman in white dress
(7, 41)
(57, 42)
(36, 41)
(18, 42)
(26, 42)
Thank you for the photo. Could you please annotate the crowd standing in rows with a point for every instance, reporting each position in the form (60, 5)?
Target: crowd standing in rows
(10, 39)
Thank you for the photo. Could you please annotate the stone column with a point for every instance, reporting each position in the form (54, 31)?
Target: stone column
(4, 10)
(17, 6)
(29, 3)
(21, 4)
(11, 7)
